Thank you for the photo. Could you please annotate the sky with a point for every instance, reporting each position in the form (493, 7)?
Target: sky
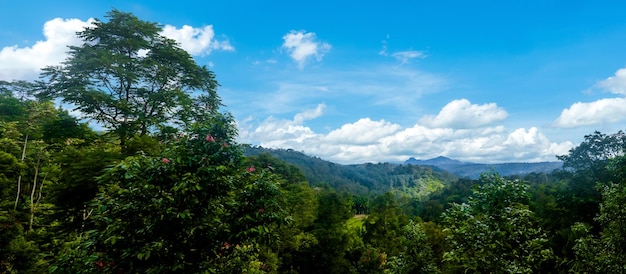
(378, 81)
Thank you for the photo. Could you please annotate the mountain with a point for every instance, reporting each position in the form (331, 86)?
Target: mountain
(473, 170)
(363, 179)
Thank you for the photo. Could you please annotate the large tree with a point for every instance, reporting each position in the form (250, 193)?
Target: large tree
(194, 209)
(495, 231)
(130, 79)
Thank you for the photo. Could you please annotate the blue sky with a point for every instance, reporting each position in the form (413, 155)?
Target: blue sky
(369, 81)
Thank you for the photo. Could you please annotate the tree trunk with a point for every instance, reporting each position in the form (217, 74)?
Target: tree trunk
(19, 178)
(32, 195)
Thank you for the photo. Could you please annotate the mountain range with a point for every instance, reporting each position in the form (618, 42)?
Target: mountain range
(415, 177)
(473, 170)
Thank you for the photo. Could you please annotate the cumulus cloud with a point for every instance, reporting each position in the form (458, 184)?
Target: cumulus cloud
(196, 41)
(362, 132)
(600, 112)
(368, 140)
(608, 110)
(616, 83)
(463, 114)
(302, 46)
(24, 63)
(273, 132)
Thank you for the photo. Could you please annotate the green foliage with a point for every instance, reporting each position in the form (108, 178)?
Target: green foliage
(495, 232)
(606, 253)
(417, 254)
(79, 166)
(384, 225)
(331, 253)
(130, 79)
(19, 255)
(455, 192)
(190, 210)
(63, 126)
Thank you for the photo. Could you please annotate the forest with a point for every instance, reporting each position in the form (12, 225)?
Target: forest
(162, 186)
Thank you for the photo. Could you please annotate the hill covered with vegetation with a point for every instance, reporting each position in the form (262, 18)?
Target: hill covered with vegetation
(473, 170)
(363, 179)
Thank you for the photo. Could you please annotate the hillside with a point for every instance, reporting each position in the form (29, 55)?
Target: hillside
(364, 179)
(473, 170)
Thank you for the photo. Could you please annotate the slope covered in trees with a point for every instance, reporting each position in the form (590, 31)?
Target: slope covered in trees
(362, 179)
(148, 196)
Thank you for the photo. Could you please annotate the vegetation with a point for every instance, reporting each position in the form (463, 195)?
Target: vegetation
(166, 189)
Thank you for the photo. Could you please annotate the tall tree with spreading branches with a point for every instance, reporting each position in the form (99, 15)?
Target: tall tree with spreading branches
(130, 79)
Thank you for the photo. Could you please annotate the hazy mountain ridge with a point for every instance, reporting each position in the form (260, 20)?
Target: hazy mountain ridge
(363, 179)
(473, 170)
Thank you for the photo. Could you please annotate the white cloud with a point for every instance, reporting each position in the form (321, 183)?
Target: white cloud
(402, 56)
(405, 56)
(608, 110)
(615, 84)
(24, 63)
(303, 45)
(463, 114)
(379, 141)
(601, 112)
(362, 132)
(274, 132)
(196, 41)
(309, 114)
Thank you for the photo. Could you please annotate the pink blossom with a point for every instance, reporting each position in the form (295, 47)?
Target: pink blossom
(250, 169)
(224, 145)
(210, 138)
(165, 160)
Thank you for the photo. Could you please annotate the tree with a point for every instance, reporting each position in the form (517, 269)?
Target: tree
(495, 232)
(130, 79)
(585, 168)
(606, 253)
(592, 154)
(328, 255)
(196, 208)
(417, 255)
(384, 225)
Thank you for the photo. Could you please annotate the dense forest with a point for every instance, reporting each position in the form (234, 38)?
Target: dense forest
(163, 187)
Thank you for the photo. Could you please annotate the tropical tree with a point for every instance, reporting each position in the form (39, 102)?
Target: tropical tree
(385, 224)
(195, 208)
(605, 253)
(130, 79)
(417, 254)
(495, 232)
(585, 166)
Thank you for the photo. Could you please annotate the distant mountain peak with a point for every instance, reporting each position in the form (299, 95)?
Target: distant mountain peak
(437, 161)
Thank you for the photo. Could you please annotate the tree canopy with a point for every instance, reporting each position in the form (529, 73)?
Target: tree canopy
(130, 79)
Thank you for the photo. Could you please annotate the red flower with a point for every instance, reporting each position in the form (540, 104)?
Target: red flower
(209, 138)
(250, 169)
(165, 160)
(224, 145)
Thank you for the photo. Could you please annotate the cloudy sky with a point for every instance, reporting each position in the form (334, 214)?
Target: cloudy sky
(379, 81)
